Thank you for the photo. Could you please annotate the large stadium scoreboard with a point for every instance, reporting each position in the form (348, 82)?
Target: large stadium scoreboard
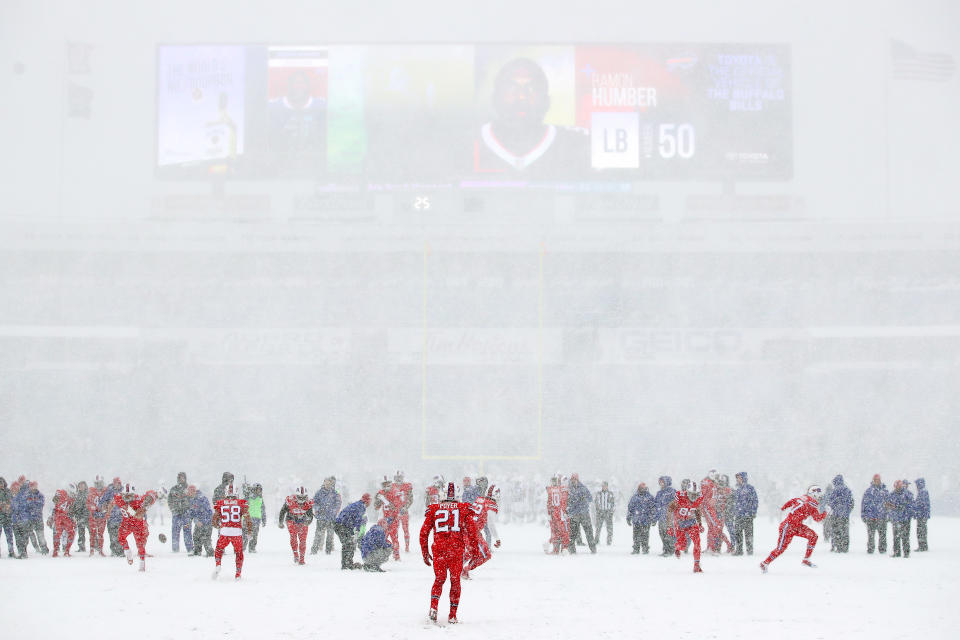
(484, 115)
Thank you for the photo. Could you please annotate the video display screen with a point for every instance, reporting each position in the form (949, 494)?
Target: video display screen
(490, 115)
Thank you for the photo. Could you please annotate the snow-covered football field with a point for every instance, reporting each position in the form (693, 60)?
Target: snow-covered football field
(521, 593)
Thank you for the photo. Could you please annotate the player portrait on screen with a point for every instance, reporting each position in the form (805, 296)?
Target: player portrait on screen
(297, 109)
(517, 140)
(297, 118)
